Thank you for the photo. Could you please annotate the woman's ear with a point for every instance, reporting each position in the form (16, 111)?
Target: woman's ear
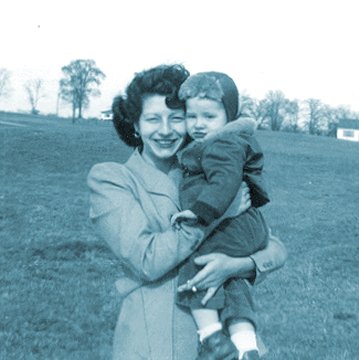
(137, 131)
(136, 127)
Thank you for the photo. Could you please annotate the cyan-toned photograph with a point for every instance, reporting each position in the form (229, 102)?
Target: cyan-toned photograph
(179, 180)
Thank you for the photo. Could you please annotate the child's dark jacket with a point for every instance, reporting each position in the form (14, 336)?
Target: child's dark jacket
(215, 168)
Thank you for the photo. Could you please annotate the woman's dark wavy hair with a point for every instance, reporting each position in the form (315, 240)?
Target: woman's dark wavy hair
(162, 80)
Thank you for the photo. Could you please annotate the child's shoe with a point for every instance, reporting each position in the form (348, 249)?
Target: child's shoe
(251, 355)
(217, 347)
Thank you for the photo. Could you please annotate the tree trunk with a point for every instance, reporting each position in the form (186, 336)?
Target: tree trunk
(73, 113)
(80, 111)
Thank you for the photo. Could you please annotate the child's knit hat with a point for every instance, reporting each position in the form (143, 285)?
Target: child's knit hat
(215, 86)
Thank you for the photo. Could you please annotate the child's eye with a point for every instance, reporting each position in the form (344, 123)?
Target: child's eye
(210, 116)
(190, 116)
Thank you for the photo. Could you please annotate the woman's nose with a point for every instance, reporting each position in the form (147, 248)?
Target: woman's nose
(165, 127)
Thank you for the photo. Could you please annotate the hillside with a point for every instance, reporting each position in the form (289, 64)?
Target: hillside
(57, 295)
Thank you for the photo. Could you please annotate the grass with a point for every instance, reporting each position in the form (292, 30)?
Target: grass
(58, 299)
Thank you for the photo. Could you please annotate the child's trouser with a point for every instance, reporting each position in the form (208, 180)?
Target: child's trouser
(236, 237)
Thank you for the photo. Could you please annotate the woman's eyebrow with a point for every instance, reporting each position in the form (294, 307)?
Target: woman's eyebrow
(151, 114)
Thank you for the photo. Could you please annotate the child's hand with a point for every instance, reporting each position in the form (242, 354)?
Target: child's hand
(187, 215)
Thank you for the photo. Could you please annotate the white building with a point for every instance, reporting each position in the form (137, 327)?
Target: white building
(106, 115)
(348, 130)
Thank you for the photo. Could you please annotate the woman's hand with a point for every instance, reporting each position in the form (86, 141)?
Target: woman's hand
(217, 268)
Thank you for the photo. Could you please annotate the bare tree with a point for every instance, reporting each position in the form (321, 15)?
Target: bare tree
(246, 104)
(334, 114)
(274, 107)
(291, 121)
(4, 82)
(34, 90)
(260, 113)
(81, 80)
(316, 116)
(344, 112)
(253, 108)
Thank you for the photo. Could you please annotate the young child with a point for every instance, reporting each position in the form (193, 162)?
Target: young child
(223, 154)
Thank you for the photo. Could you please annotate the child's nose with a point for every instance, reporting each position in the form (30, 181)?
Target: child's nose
(199, 123)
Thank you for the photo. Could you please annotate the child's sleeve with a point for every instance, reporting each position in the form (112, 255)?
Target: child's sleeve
(222, 162)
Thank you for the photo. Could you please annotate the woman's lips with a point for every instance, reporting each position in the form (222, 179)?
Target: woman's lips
(165, 142)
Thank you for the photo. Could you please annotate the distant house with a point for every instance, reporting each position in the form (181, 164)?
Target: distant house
(106, 115)
(348, 130)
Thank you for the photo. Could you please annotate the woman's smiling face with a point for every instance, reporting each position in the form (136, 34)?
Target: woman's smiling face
(162, 130)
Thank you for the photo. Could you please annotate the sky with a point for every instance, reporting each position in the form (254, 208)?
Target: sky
(305, 48)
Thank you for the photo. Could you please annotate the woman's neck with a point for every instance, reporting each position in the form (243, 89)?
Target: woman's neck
(163, 165)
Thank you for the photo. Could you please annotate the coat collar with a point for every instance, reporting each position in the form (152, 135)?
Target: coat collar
(243, 125)
(154, 180)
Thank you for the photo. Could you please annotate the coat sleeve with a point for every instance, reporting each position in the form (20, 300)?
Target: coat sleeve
(222, 162)
(271, 258)
(120, 220)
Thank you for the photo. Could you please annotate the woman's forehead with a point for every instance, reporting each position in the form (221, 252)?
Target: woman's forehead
(154, 103)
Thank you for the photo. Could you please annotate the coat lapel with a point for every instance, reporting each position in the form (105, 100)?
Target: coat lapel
(153, 180)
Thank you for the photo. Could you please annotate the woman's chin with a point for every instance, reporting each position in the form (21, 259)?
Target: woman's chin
(166, 150)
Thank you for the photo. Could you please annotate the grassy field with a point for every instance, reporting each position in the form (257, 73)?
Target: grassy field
(57, 297)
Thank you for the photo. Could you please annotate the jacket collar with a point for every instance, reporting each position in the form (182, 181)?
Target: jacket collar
(154, 180)
(243, 125)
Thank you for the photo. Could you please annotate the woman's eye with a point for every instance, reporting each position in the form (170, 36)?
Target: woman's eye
(152, 119)
(177, 118)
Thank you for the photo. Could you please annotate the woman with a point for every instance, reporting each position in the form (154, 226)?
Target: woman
(131, 207)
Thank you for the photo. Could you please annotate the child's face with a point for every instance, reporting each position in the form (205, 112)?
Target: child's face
(203, 116)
